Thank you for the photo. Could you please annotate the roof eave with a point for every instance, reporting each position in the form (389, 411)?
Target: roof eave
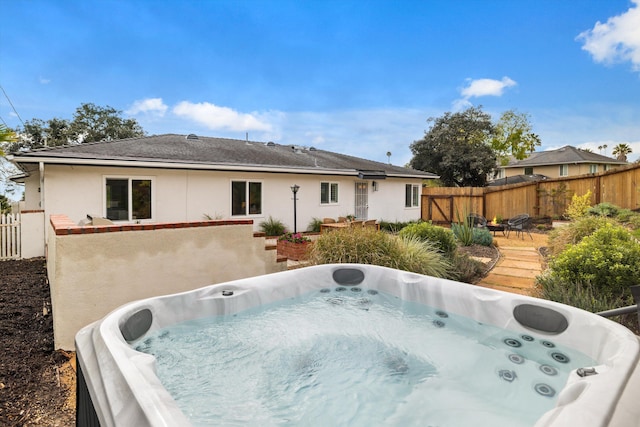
(162, 164)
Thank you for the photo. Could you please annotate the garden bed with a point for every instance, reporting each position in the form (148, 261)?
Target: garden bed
(37, 384)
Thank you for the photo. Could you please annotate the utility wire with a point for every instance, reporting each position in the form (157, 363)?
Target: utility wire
(11, 103)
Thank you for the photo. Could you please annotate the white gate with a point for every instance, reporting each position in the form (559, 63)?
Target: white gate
(9, 236)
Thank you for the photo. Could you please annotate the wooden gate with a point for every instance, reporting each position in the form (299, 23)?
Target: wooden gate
(9, 236)
(439, 209)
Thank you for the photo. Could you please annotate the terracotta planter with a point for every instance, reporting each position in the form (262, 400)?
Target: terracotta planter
(293, 251)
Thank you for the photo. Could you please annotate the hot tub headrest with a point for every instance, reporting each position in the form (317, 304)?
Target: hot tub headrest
(348, 276)
(540, 318)
(136, 325)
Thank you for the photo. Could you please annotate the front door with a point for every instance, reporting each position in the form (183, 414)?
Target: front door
(362, 200)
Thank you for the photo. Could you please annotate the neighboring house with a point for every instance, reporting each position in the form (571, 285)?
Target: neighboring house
(168, 178)
(516, 179)
(565, 161)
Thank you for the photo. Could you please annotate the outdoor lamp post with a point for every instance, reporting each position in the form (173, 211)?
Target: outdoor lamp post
(294, 189)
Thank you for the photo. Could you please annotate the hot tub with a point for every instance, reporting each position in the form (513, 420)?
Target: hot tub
(531, 340)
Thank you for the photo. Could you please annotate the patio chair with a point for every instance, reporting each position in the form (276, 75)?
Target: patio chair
(342, 219)
(328, 220)
(357, 223)
(476, 220)
(370, 223)
(520, 224)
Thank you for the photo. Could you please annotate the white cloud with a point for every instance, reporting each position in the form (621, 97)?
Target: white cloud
(617, 40)
(486, 87)
(149, 106)
(481, 87)
(215, 117)
(44, 81)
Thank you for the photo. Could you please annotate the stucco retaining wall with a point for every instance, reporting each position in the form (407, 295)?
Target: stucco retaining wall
(95, 269)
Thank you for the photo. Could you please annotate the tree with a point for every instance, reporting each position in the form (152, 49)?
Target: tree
(621, 151)
(5, 206)
(90, 123)
(513, 136)
(7, 137)
(456, 147)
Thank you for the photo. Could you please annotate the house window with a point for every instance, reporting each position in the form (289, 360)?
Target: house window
(246, 198)
(564, 170)
(593, 168)
(411, 195)
(128, 199)
(528, 171)
(328, 192)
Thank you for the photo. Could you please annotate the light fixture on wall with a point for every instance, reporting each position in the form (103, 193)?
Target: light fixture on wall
(374, 185)
(294, 190)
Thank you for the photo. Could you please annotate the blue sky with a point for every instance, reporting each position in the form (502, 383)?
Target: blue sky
(356, 77)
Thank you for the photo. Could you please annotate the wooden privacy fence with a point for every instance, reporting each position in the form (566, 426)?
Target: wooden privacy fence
(548, 198)
(9, 236)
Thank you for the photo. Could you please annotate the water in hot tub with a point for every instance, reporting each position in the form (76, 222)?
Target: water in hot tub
(349, 356)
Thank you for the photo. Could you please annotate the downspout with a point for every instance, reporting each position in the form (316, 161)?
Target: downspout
(44, 215)
(41, 170)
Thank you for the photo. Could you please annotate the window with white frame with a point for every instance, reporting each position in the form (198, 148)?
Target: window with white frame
(328, 193)
(411, 195)
(593, 168)
(564, 170)
(246, 198)
(128, 199)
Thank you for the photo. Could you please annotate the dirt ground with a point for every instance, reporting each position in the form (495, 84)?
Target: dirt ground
(37, 384)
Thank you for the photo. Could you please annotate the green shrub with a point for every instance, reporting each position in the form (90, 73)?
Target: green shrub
(467, 269)
(395, 227)
(608, 260)
(314, 225)
(482, 236)
(574, 232)
(579, 206)
(368, 246)
(630, 218)
(272, 227)
(586, 297)
(624, 215)
(604, 209)
(463, 232)
(442, 237)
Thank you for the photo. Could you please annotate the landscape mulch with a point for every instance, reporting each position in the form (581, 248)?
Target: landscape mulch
(37, 383)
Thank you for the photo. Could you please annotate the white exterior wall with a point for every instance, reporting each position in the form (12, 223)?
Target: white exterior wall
(31, 193)
(31, 232)
(186, 195)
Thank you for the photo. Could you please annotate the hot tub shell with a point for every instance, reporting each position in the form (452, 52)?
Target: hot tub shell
(117, 385)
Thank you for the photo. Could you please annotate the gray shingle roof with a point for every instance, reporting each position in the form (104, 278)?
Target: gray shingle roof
(564, 155)
(210, 152)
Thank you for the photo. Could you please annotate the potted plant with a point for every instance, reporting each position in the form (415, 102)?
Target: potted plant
(293, 246)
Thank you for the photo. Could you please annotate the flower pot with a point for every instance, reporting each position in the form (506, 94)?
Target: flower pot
(293, 251)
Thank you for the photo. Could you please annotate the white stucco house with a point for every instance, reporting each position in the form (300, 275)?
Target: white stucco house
(168, 178)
